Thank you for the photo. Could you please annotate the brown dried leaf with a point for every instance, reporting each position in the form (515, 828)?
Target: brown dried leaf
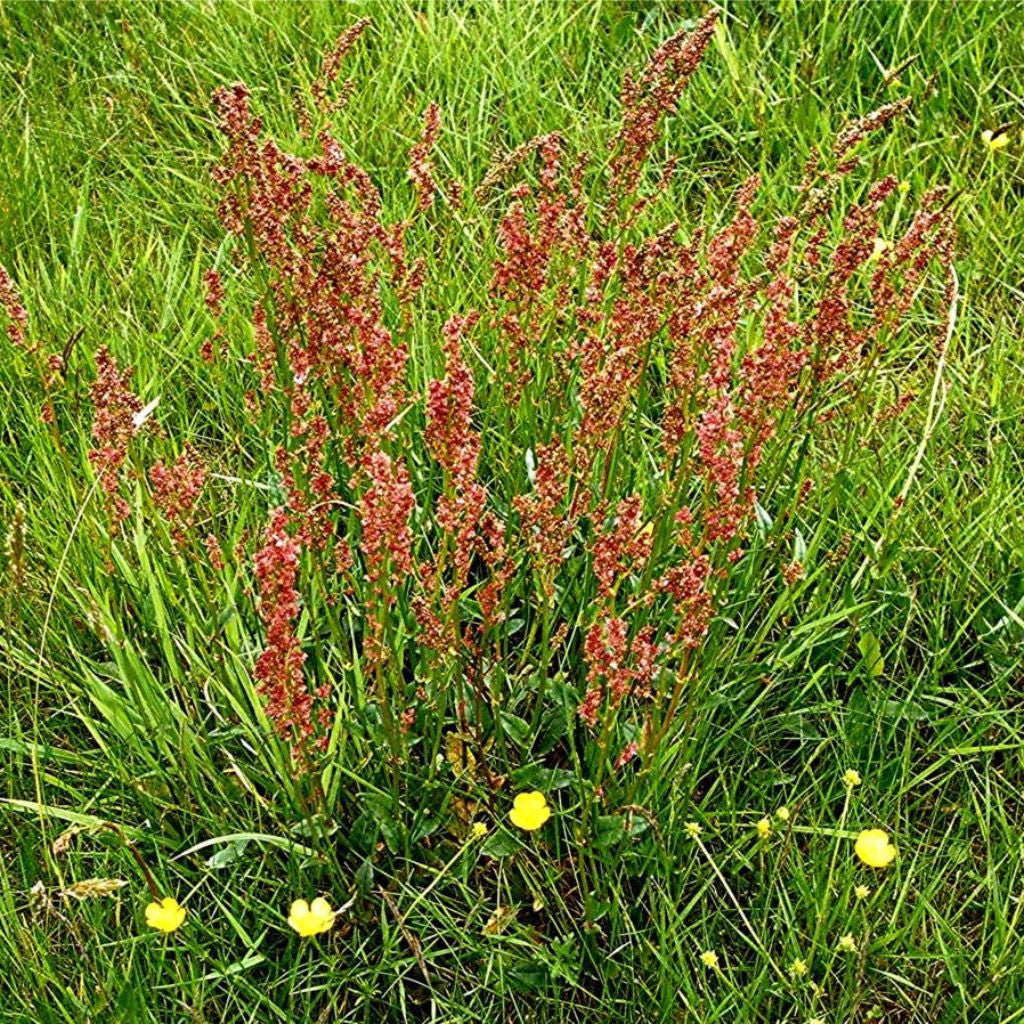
(39, 905)
(465, 813)
(499, 920)
(63, 841)
(459, 756)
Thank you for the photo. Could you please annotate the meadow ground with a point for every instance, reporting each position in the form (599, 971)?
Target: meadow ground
(878, 625)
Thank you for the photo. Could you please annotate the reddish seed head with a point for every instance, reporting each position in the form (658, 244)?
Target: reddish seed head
(628, 753)
(176, 490)
(17, 315)
(213, 552)
(646, 101)
(290, 704)
(331, 65)
(214, 292)
(421, 165)
(115, 406)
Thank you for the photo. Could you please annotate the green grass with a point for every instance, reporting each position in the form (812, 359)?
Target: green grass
(126, 672)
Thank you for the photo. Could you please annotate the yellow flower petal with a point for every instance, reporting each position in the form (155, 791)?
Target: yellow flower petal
(298, 917)
(311, 918)
(530, 811)
(874, 849)
(321, 908)
(165, 916)
(995, 142)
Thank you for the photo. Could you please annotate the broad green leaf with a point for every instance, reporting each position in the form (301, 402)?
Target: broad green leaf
(871, 651)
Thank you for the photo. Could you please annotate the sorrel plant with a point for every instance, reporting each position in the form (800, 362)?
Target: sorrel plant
(418, 592)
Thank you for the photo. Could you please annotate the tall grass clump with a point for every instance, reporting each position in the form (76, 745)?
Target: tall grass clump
(456, 552)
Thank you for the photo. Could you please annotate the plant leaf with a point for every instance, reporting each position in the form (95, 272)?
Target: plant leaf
(871, 652)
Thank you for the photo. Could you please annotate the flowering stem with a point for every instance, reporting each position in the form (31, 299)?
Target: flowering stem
(134, 850)
(682, 675)
(542, 684)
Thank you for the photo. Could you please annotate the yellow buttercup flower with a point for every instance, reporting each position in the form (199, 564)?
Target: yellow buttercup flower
(479, 830)
(851, 777)
(764, 828)
(874, 849)
(709, 958)
(995, 142)
(693, 830)
(165, 916)
(862, 892)
(782, 814)
(530, 811)
(311, 918)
